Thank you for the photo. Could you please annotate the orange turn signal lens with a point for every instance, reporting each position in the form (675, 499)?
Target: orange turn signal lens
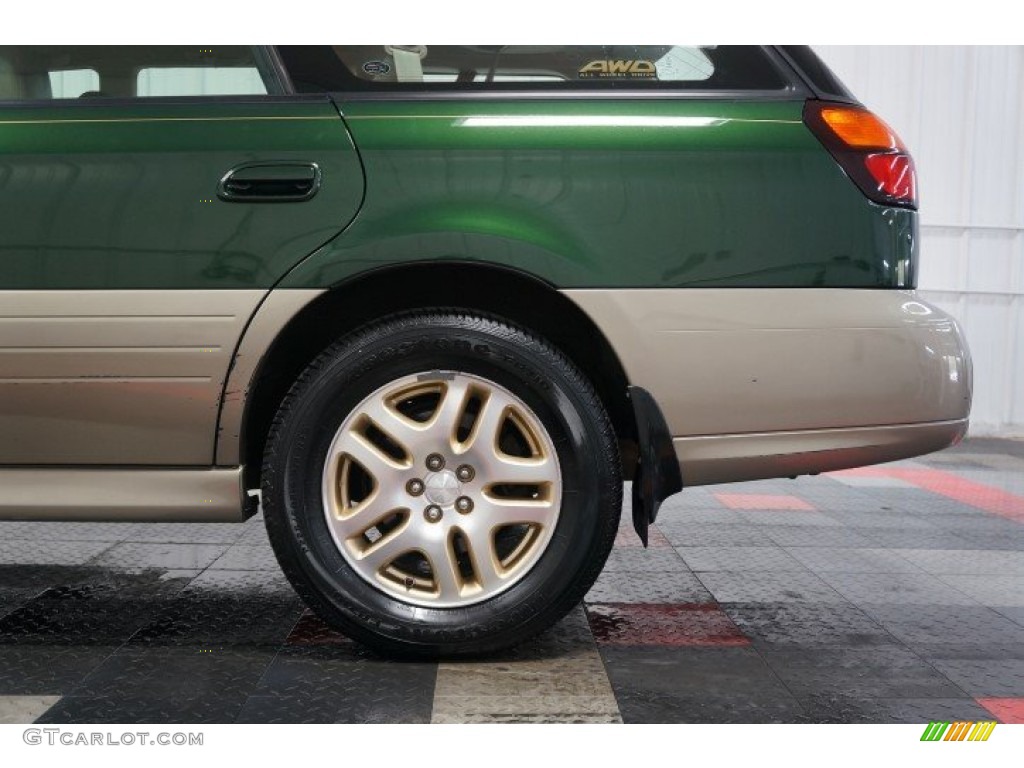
(860, 129)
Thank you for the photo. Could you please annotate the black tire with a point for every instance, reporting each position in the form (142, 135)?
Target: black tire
(451, 340)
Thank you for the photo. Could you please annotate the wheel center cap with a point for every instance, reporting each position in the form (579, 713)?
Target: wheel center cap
(442, 488)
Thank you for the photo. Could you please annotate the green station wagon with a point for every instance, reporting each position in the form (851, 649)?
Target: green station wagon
(431, 305)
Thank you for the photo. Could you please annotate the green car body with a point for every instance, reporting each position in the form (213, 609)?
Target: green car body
(705, 247)
(570, 192)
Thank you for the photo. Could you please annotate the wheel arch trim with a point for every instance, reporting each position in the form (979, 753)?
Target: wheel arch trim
(507, 292)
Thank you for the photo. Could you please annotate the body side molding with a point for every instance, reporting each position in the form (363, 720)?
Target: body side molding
(122, 495)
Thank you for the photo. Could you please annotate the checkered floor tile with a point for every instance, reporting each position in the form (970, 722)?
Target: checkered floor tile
(885, 594)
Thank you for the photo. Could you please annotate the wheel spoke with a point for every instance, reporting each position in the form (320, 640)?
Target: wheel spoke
(442, 563)
(372, 510)
(445, 422)
(481, 552)
(513, 470)
(387, 549)
(379, 465)
(405, 432)
(495, 513)
(484, 438)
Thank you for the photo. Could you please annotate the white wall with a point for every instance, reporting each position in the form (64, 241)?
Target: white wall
(961, 112)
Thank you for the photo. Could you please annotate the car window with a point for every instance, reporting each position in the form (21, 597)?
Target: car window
(483, 67)
(72, 83)
(199, 81)
(73, 72)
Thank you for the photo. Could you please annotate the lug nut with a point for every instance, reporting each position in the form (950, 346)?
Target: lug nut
(432, 513)
(415, 487)
(435, 462)
(465, 473)
(464, 504)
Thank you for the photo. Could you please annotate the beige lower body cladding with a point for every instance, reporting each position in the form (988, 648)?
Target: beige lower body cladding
(772, 382)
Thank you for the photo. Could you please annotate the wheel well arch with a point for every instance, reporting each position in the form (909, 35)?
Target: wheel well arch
(501, 291)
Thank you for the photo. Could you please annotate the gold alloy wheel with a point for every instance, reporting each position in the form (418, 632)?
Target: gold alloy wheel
(442, 489)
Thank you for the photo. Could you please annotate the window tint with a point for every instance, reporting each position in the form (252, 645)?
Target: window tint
(72, 72)
(515, 67)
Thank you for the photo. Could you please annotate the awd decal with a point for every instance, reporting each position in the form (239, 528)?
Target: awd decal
(959, 731)
(627, 68)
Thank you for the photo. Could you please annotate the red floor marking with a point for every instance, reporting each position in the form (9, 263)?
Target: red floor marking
(1005, 710)
(762, 501)
(977, 495)
(668, 625)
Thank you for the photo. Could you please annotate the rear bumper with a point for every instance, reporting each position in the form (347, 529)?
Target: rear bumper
(761, 382)
(732, 458)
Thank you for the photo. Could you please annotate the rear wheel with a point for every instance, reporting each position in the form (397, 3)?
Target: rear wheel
(441, 483)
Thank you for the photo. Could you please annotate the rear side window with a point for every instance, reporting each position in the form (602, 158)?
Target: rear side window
(43, 72)
(519, 67)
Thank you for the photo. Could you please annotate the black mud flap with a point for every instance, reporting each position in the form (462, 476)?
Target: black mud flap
(657, 469)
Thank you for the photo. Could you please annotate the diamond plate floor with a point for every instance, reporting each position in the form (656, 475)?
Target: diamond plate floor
(885, 594)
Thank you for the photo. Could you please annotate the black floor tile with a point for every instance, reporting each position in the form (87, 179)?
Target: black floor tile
(657, 560)
(13, 598)
(807, 625)
(686, 534)
(329, 709)
(878, 672)
(675, 585)
(338, 671)
(80, 615)
(701, 672)
(176, 673)
(697, 685)
(822, 708)
(983, 678)
(47, 670)
(144, 709)
(1013, 613)
(241, 585)
(993, 540)
(42, 576)
(886, 538)
(958, 631)
(334, 685)
(343, 684)
(221, 621)
(638, 706)
(164, 555)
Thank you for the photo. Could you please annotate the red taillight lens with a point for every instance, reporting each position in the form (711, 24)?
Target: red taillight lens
(867, 149)
(894, 174)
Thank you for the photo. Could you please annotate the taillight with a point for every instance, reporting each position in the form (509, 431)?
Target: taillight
(894, 173)
(867, 149)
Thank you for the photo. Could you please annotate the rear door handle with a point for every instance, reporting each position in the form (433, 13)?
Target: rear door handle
(270, 183)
